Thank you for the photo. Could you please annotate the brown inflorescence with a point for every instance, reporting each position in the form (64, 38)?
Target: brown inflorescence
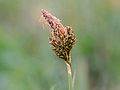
(62, 38)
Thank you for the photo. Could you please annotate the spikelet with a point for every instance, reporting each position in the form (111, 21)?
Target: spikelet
(62, 38)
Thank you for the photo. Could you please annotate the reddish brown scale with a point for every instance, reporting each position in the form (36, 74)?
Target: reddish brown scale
(53, 21)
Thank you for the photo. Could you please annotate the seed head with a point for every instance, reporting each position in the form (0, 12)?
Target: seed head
(62, 38)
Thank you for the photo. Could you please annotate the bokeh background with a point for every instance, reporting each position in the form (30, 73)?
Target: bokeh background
(27, 61)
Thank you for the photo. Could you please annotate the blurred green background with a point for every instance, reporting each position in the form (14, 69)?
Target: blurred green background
(27, 61)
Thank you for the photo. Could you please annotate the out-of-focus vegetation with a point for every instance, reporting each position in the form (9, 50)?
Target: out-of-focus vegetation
(27, 61)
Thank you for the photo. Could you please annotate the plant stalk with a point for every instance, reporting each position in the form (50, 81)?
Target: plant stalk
(69, 72)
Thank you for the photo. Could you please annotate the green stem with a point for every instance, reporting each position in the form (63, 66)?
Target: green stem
(69, 72)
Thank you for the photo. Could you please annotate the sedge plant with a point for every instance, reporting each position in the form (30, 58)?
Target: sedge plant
(62, 40)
